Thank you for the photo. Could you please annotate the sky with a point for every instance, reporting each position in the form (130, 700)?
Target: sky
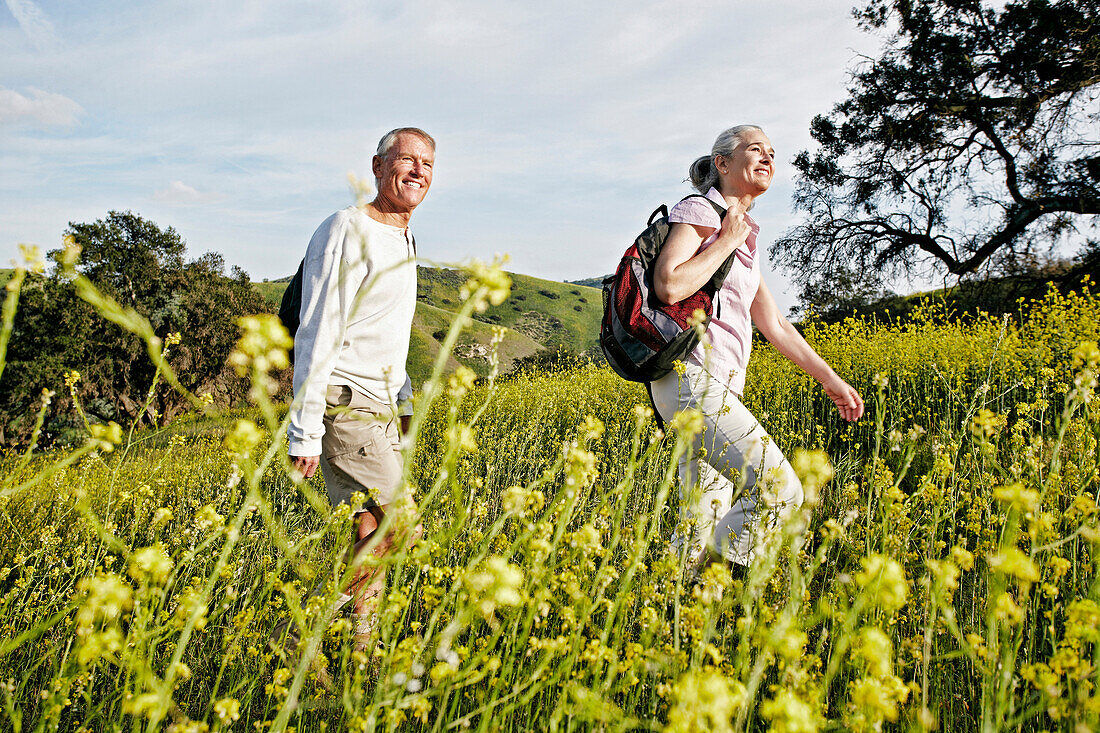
(560, 126)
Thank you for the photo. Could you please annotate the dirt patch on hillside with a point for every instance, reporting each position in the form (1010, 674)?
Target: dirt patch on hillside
(537, 326)
(472, 351)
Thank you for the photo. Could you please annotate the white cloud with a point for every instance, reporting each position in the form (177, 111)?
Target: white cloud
(41, 107)
(34, 23)
(180, 194)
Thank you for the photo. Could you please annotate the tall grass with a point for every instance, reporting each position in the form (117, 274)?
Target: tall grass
(940, 577)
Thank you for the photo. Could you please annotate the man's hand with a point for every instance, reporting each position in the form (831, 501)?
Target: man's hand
(305, 465)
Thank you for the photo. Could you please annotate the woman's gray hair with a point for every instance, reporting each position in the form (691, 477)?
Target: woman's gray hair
(702, 173)
(390, 138)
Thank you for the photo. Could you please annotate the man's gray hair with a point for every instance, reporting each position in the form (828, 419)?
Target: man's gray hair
(390, 138)
(702, 173)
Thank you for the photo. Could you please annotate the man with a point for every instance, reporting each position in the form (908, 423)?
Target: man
(358, 299)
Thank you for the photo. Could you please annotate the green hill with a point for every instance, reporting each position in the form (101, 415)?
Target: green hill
(591, 282)
(538, 314)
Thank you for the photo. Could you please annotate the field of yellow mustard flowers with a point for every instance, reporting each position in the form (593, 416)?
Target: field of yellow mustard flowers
(942, 575)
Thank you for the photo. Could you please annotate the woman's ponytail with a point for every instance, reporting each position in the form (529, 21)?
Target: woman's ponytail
(702, 174)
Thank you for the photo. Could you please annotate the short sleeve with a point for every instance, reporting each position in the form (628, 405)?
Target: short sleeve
(697, 211)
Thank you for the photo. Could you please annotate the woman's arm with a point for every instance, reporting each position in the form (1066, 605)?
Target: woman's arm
(789, 342)
(681, 269)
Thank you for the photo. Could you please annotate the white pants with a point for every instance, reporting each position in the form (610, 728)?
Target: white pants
(734, 481)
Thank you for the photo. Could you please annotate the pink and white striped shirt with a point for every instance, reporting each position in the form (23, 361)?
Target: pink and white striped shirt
(730, 331)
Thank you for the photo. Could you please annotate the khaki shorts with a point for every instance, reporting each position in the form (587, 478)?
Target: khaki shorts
(360, 450)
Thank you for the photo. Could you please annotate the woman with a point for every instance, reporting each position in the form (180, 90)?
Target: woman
(736, 475)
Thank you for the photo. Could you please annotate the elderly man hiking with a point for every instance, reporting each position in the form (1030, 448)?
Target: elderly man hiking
(358, 298)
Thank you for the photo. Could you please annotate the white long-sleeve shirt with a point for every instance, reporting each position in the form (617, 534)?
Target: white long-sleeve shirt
(358, 300)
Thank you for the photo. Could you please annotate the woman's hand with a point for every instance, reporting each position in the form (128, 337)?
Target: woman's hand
(844, 396)
(681, 269)
(735, 230)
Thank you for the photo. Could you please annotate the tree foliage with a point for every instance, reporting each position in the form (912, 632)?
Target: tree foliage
(143, 267)
(971, 145)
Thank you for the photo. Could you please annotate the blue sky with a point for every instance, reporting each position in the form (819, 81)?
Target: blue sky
(560, 125)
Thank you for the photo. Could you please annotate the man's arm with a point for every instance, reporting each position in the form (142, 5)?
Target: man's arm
(325, 299)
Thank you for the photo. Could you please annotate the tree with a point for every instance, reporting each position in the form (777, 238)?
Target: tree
(143, 267)
(972, 145)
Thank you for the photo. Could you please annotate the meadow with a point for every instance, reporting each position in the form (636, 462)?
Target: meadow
(941, 576)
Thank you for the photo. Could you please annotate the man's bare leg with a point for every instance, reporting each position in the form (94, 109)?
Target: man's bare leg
(369, 581)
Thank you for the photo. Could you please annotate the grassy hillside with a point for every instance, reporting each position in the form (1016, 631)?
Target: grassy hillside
(271, 290)
(539, 314)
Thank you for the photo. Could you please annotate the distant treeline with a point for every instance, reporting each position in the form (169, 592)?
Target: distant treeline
(55, 333)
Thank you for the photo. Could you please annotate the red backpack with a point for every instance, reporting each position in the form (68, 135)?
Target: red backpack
(640, 335)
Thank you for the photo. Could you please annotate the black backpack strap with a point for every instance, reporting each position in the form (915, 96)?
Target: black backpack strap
(653, 404)
(290, 307)
(662, 210)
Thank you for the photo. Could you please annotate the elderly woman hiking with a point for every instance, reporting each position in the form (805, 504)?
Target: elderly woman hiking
(735, 473)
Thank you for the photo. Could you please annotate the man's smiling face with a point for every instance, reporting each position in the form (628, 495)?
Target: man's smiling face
(405, 174)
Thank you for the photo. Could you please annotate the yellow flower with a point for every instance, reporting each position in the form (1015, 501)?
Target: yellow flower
(104, 599)
(591, 429)
(150, 563)
(876, 651)
(1006, 609)
(1012, 561)
(263, 345)
(789, 714)
(876, 700)
(814, 470)
(462, 436)
(697, 321)
(986, 424)
(208, 518)
(495, 582)
(461, 382)
(228, 710)
(1016, 496)
(882, 582)
(703, 701)
(487, 283)
(106, 437)
(32, 258)
(687, 422)
(244, 436)
(1086, 355)
(962, 557)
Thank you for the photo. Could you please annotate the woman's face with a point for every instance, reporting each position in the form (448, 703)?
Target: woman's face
(748, 170)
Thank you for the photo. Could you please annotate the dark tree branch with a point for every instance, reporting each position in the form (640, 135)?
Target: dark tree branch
(953, 145)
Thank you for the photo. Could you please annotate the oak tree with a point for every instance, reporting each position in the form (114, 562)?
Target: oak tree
(143, 267)
(971, 145)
